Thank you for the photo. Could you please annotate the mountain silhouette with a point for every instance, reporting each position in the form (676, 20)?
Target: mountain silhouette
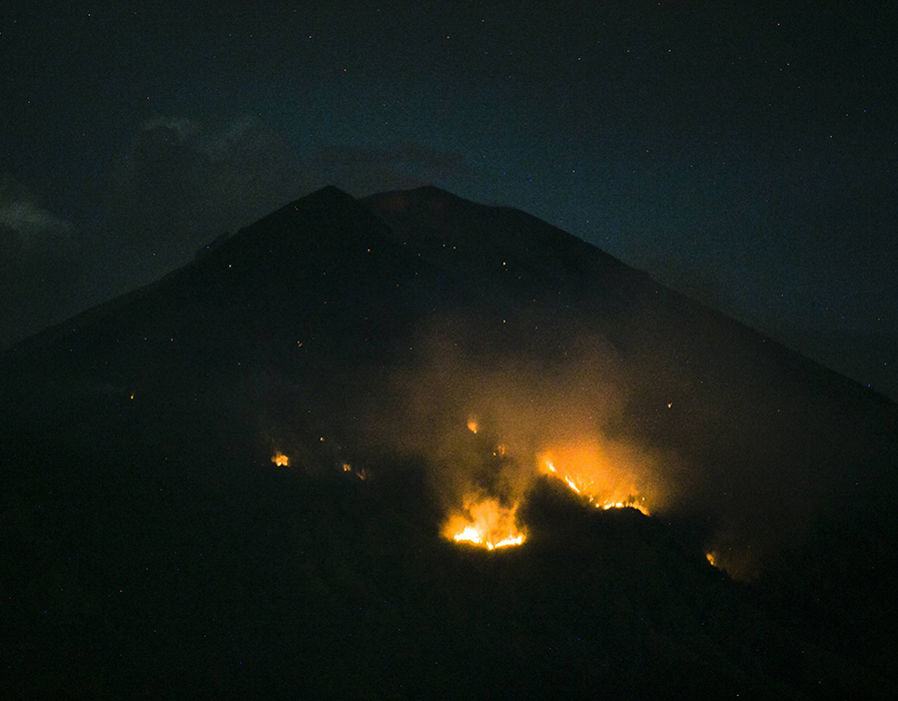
(241, 479)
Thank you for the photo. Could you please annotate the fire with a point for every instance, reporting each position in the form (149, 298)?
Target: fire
(362, 474)
(280, 459)
(484, 522)
(590, 472)
(711, 557)
(572, 484)
(472, 425)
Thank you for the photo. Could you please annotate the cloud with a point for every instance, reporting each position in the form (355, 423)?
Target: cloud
(181, 183)
(21, 213)
(39, 268)
(177, 185)
(29, 220)
(182, 126)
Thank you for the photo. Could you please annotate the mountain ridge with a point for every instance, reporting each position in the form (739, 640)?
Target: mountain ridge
(379, 204)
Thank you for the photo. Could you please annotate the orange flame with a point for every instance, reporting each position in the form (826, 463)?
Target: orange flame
(484, 522)
(472, 425)
(587, 470)
(280, 459)
(362, 474)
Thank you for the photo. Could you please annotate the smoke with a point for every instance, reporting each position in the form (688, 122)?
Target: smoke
(485, 423)
(535, 361)
(749, 467)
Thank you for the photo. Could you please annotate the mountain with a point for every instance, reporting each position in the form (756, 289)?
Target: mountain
(274, 471)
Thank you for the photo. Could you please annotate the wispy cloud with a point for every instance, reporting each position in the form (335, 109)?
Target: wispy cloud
(39, 265)
(21, 213)
(29, 220)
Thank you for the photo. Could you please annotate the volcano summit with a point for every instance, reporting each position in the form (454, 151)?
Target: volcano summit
(410, 445)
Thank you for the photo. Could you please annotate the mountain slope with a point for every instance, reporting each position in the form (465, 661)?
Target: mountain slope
(155, 548)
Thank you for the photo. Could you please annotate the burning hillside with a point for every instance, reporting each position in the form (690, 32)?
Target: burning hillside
(488, 513)
(590, 472)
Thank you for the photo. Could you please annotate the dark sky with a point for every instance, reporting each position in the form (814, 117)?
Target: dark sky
(742, 154)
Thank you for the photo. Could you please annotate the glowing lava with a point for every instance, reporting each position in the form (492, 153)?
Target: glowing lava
(591, 473)
(484, 522)
(280, 459)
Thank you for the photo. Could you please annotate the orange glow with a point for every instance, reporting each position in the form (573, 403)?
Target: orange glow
(592, 472)
(711, 558)
(484, 522)
(362, 474)
(280, 459)
(472, 425)
(571, 484)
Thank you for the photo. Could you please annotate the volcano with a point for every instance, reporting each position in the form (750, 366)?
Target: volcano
(411, 445)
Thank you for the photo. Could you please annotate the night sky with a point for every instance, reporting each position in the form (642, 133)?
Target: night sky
(742, 154)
